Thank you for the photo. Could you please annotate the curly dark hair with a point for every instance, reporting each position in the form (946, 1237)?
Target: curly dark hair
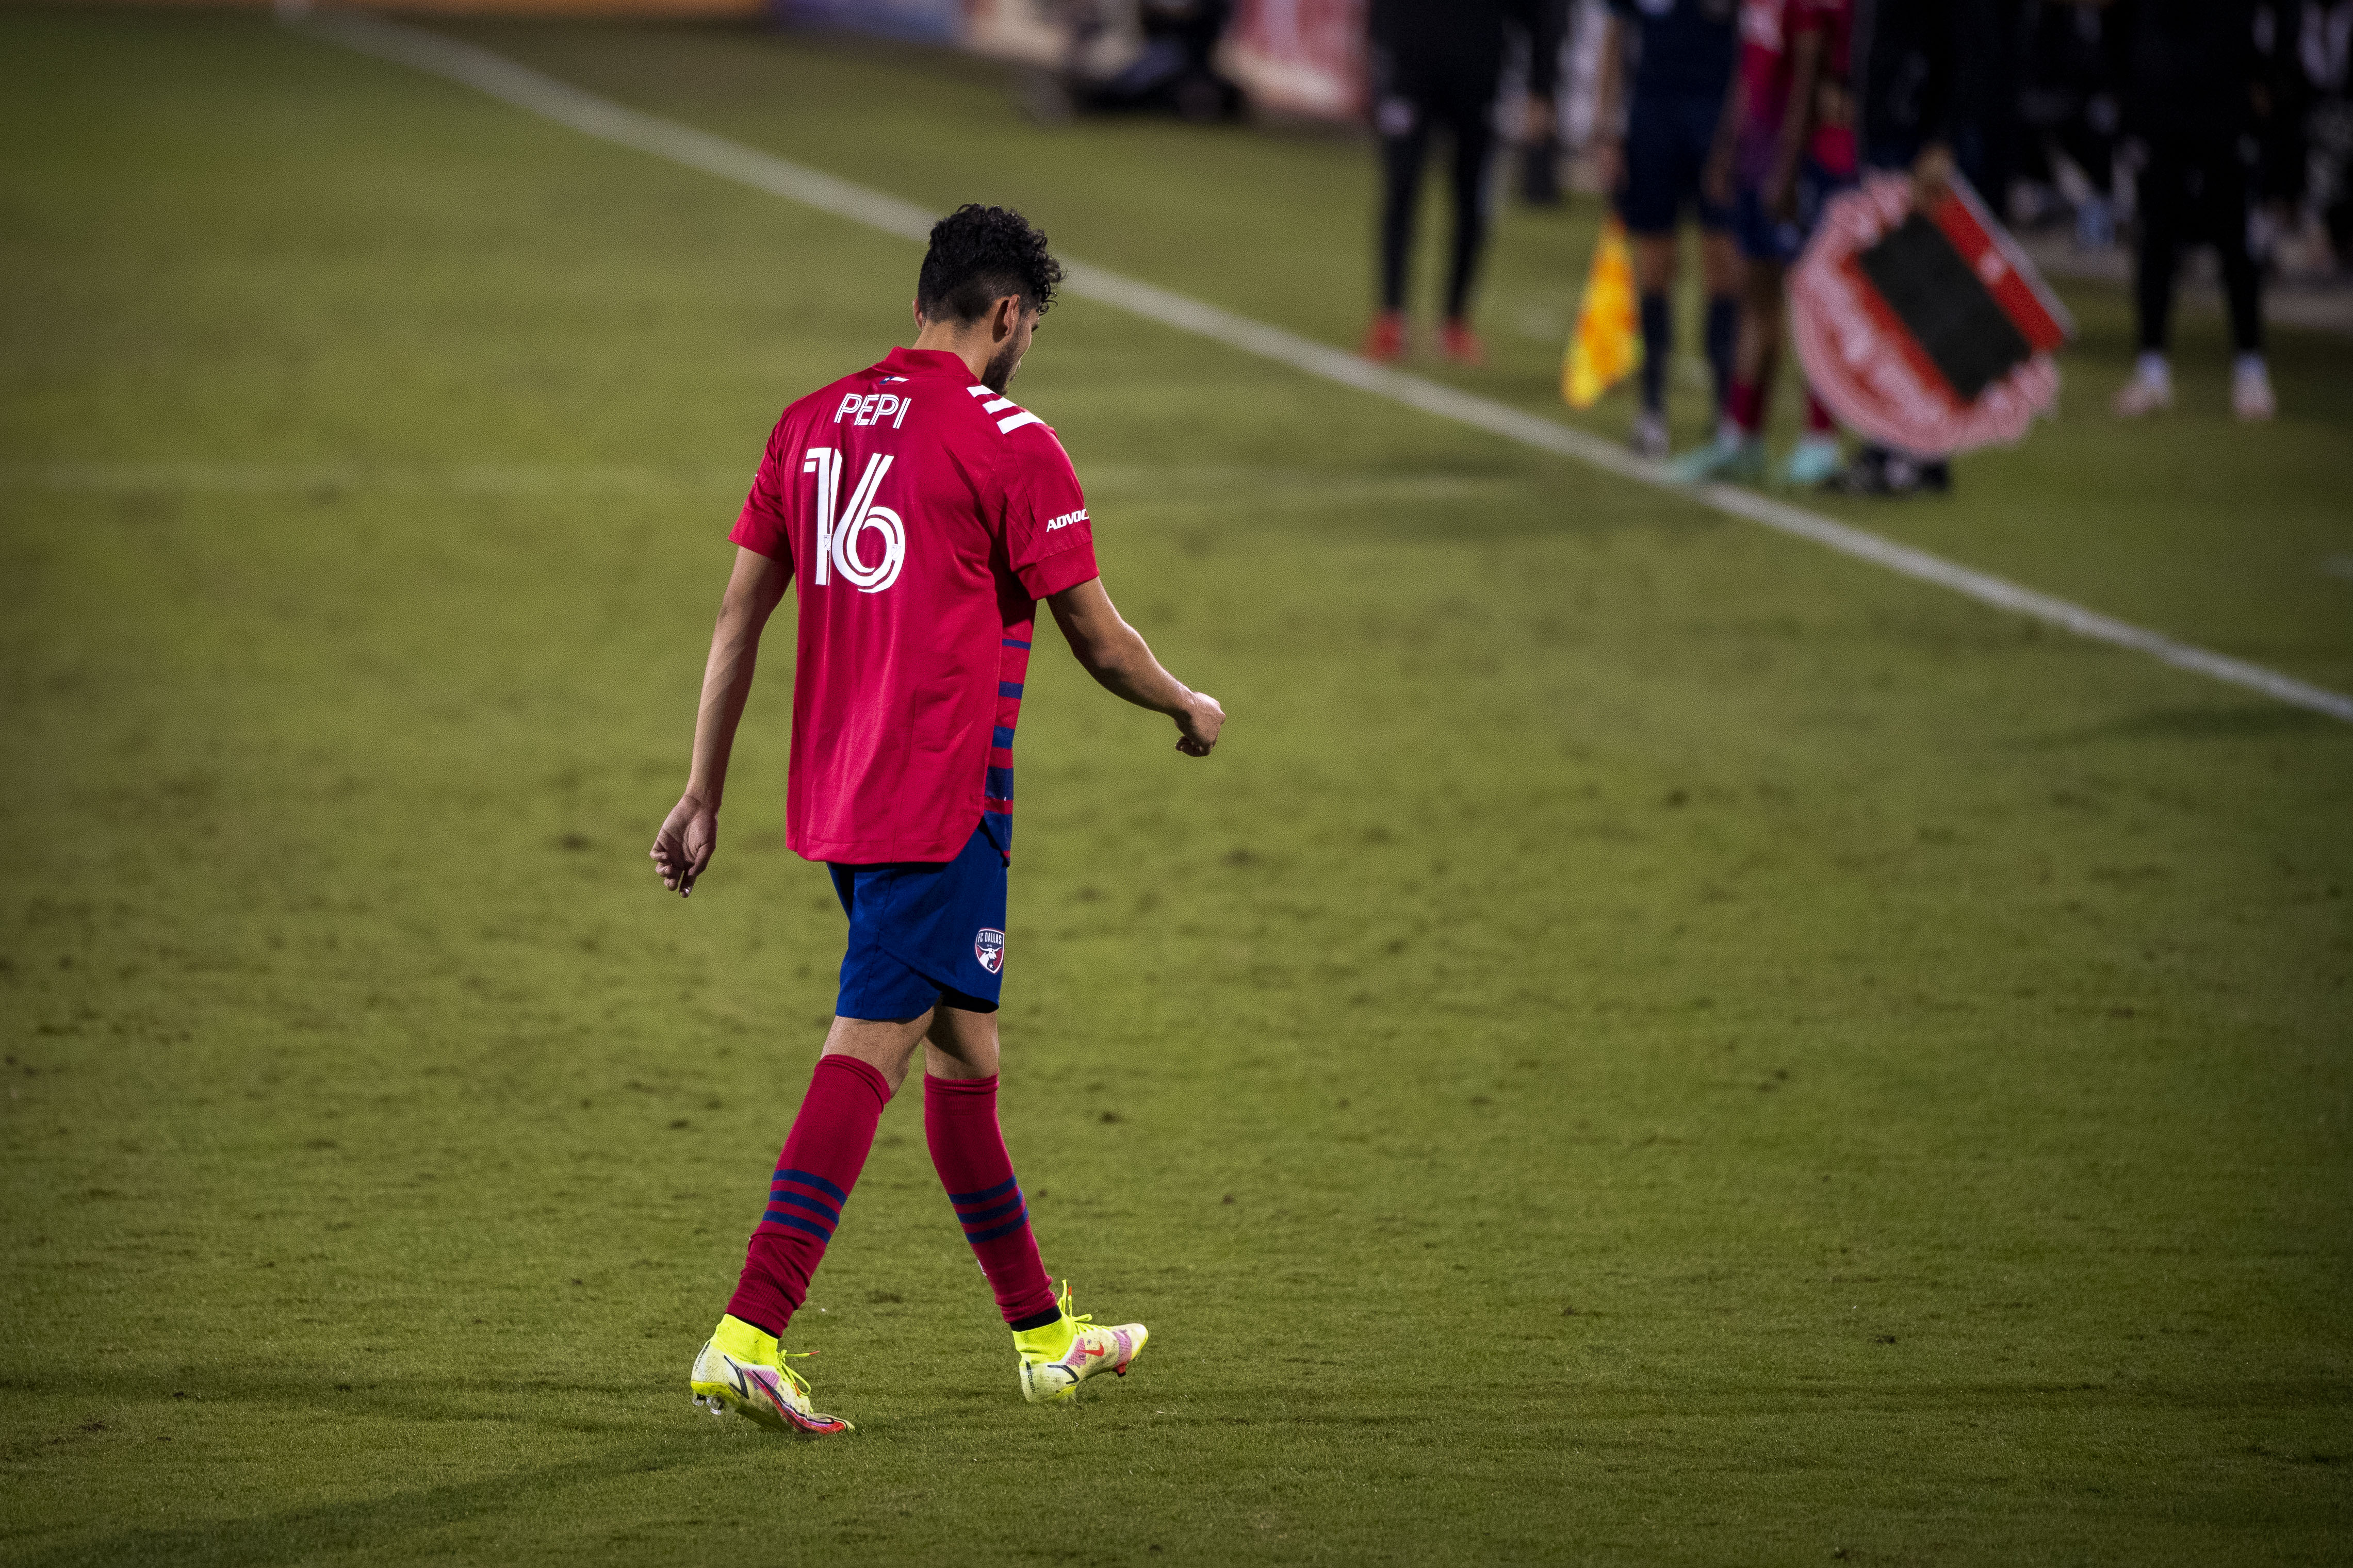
(979, 255)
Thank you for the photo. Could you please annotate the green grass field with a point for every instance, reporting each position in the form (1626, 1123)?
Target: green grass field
(1648, 1043)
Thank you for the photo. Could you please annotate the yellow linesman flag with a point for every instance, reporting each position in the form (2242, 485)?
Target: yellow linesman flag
(1606, 344)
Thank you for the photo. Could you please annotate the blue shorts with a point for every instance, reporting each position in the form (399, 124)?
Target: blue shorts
(924, 934)
(1668, 135)
(1765, 237)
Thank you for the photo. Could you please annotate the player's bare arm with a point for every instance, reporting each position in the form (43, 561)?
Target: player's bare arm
(1797, 123)
(1116, 654)
(1716, 178)
(1610, 106)
(683, 846)
(1112, 651)
(1932, 175)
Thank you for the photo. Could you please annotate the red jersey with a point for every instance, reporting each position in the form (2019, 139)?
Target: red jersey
(923, 516)
(1766, 28)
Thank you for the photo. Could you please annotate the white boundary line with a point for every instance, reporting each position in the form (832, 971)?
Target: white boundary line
(258, 479)
(608, 121)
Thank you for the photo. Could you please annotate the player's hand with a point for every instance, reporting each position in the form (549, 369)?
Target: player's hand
(1198, 725)
(1715, 181)
(1609, 163)
(682, 848)
(1932, 176)
(1539, 121)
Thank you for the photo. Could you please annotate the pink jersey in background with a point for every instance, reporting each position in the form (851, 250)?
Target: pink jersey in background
(1766, 28)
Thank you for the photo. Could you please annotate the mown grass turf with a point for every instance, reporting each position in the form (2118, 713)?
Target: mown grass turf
(1648, 1043)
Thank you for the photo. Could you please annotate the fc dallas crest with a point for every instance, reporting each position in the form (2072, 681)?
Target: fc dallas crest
(989, 947)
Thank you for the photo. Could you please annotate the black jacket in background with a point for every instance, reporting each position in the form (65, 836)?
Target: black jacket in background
(2189, 65)
(1938, 71)
(1415, 41)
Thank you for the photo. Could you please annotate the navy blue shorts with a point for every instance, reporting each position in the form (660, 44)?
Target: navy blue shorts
(1764, 238)
(924, 934)
(1668, 135)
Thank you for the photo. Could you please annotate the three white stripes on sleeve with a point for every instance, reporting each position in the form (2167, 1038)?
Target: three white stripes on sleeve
(1011, 422)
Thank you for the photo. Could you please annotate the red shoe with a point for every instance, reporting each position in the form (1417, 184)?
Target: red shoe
(1460, 343)
(1385, 339)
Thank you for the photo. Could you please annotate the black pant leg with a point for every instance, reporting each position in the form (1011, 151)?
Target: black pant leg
(2163, 195)
(1474, 150)
(2222, 202)
(1402, 154)
(2093, 152)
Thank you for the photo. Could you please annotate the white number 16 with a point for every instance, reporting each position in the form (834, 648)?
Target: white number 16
(838, 542)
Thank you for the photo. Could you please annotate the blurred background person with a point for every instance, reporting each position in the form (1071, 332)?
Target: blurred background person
(2283, 97)
(1784, 146)
(1175, 72)
(1936, 92)
(1666, 69)
(1937, 89)
(2068, 109)
(2191, 104)
(1440, 64)
(2326, 48)
(1541, 120)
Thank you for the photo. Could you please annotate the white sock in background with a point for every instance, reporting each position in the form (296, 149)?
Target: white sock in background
(2251, 388)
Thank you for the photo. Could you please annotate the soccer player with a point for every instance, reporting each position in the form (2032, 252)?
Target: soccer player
(1784, 146)
(920, 515)
(1682, 66)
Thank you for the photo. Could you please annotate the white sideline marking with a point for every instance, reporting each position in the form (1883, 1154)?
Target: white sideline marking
(584, 111)
(259, 479)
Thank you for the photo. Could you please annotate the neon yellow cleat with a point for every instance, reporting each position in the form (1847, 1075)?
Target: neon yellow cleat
(742, 1369)
(1059, 1357)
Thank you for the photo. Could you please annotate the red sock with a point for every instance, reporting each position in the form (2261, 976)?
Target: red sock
(826, 1150)
(1818, 418)
(1747, 407)
(968, 1151)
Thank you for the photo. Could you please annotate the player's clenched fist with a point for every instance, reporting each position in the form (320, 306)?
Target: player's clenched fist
(1198, 725)
(682, 848)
